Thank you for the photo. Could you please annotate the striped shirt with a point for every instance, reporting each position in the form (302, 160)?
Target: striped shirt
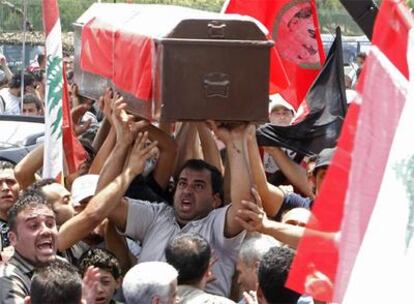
(15, 278)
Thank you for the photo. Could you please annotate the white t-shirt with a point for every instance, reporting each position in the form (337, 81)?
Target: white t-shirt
(11, 102)
(154, 225)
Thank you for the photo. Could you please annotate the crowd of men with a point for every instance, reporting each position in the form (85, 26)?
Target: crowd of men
(156, 213)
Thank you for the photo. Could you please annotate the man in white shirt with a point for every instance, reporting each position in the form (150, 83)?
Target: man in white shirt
(10, 97)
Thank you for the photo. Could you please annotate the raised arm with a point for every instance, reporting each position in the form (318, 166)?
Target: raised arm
(167, 158)
(105, 105)
(271, 196)
(108, 199)
(125, 129)
(293, 171)
(240, 183)
(103, 153)
(254, 219)
(104, 149)
(25, 170)
(187, 144)
(209, 147)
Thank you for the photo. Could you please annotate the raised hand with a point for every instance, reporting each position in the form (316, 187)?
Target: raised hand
(227, 131)
(250, 132)
(76, 115)
(318, 284)
(140, 153)
(90, 285)
(125, 126)
(105, 103)
(252, 217)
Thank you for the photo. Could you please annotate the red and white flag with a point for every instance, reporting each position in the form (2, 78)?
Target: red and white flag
(375, 243)
(53, 153)
(364, 215)
(294, 27)
(58, 133)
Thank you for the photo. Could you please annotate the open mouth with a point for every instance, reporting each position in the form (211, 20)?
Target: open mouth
(186, 205)
(46, 247)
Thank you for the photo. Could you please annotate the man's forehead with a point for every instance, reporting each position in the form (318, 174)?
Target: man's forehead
(36, 211)
(280, 109)
(55, 188)
(191, 174)
(7, 173)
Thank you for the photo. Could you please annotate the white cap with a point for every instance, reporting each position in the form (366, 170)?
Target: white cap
(83, 187)
(350, 95)
(276, 100)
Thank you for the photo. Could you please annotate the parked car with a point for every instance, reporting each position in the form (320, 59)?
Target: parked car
(19, 135)
(351, 46)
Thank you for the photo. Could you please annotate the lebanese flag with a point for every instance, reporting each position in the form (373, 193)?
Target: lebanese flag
(363, 212)
(294, 27)
(59, 135)
(376, 243)
(53, 153)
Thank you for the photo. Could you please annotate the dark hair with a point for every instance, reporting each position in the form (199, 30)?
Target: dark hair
(362, 55)
(38, 185)
(200, 165)
(58, 282)
(16, 80)
(5, 164)
(41, 58)
(272, 274)
(190, 255)
(30, 98)
(30, 198)
(100, 258)
(43, 182)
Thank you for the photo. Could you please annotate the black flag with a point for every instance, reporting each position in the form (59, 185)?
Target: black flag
(327, 105)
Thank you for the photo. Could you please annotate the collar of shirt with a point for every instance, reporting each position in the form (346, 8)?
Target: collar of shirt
(22, 264)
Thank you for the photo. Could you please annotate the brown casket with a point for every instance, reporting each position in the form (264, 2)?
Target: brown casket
(202, 65)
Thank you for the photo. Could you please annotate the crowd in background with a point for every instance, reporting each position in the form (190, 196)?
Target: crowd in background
(194, 212)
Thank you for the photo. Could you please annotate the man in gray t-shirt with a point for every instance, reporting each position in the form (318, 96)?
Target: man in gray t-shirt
(197, 209)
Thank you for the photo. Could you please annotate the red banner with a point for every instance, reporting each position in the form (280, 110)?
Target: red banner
(295, 30)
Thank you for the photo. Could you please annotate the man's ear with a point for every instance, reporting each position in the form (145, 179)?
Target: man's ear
(27, 300)
(118, 282)
(217, 201)
(12, 238)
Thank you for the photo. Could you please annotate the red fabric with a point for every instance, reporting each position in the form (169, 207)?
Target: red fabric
(290, 35)
(74, 152)
(97, 49)
(50, 10)
(369, 146)
(372, 144)
(394, 21)
(317, 253)
(104, 51)
(135, 75)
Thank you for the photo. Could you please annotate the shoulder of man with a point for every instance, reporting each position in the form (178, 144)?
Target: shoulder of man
(14, 284)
